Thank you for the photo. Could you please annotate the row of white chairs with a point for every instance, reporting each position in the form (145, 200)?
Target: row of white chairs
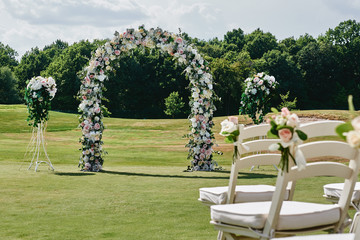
(266, 211)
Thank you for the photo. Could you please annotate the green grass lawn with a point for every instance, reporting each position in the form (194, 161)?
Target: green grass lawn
(142, 194)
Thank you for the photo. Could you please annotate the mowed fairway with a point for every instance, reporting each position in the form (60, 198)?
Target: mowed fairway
(143, 192)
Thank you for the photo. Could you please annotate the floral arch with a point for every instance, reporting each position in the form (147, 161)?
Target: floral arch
(196, 69)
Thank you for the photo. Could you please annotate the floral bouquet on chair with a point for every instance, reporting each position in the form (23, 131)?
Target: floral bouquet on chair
(350, 131)
(230, 130)
(284, 126)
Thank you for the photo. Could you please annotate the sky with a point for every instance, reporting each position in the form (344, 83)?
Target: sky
(29, 23)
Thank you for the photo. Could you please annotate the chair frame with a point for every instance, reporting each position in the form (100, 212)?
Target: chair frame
(310, 150)
(312, 129)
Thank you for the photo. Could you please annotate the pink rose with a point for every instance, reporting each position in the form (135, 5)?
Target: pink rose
(285, 135)
(117, 52)
(86, 128)
(87, 166)
(97, 110)
(178, 40)
(285, 112)
(208, 152)
(97, 126)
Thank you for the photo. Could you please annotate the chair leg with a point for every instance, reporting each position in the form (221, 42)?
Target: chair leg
(221, 235)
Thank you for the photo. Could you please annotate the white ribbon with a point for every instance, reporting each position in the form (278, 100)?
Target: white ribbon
(241, 146)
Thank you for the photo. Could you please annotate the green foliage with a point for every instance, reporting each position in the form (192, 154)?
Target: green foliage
(287, 103)
(320, 71)
(228, 79)
(141, 83)
(287, 73)
(235, 37)
(64, 68)
(174, 104)
(35, 61)
(257, 43)
(8, 93)
(8, 56)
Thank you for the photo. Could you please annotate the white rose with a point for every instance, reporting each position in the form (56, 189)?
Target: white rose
(227, 126)
(253, 91)
(195, 95)
(293, 120)
(353, 138)
(356, 123)
(279, 120)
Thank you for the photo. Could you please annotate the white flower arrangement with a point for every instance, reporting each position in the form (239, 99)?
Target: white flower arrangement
(196, 69)
(38, 94)
(255, 98)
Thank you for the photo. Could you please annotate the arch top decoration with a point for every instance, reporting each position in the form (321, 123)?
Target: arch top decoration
(201, 138)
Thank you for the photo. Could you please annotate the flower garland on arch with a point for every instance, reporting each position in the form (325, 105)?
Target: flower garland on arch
(196, 69)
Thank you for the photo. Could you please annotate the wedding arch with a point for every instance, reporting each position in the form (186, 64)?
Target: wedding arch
(201, 138)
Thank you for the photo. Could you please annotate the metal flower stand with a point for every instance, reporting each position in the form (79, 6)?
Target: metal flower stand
(37, 147)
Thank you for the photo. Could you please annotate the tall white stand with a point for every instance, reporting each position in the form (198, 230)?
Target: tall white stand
(38, 148)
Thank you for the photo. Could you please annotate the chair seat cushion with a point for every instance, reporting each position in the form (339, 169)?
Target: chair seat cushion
(343, 236)
(334, 190)
(293, 214)
(243, 193)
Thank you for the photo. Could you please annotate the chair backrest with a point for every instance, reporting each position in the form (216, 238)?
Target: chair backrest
(324, 168)
(320, 128)
(254, 138)
(253, 142)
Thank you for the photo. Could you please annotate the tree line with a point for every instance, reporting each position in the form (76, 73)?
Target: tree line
(319, 72)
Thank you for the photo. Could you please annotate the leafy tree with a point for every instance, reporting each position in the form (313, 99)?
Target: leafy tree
(235, 37)
(8, 56)
(8, 92)
(174, 104)
(318, 64)
(228, 85)
(141, 83)
(286, 72)
(35, 61)
(64, 69)
(344, 33)
(257, 43)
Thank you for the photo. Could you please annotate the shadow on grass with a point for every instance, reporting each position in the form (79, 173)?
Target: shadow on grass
(72, 174)
(241, 175)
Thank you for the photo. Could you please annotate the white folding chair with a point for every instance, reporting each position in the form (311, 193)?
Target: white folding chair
(257, 154)
(264, 220)
(332, 192)
(253, 138)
